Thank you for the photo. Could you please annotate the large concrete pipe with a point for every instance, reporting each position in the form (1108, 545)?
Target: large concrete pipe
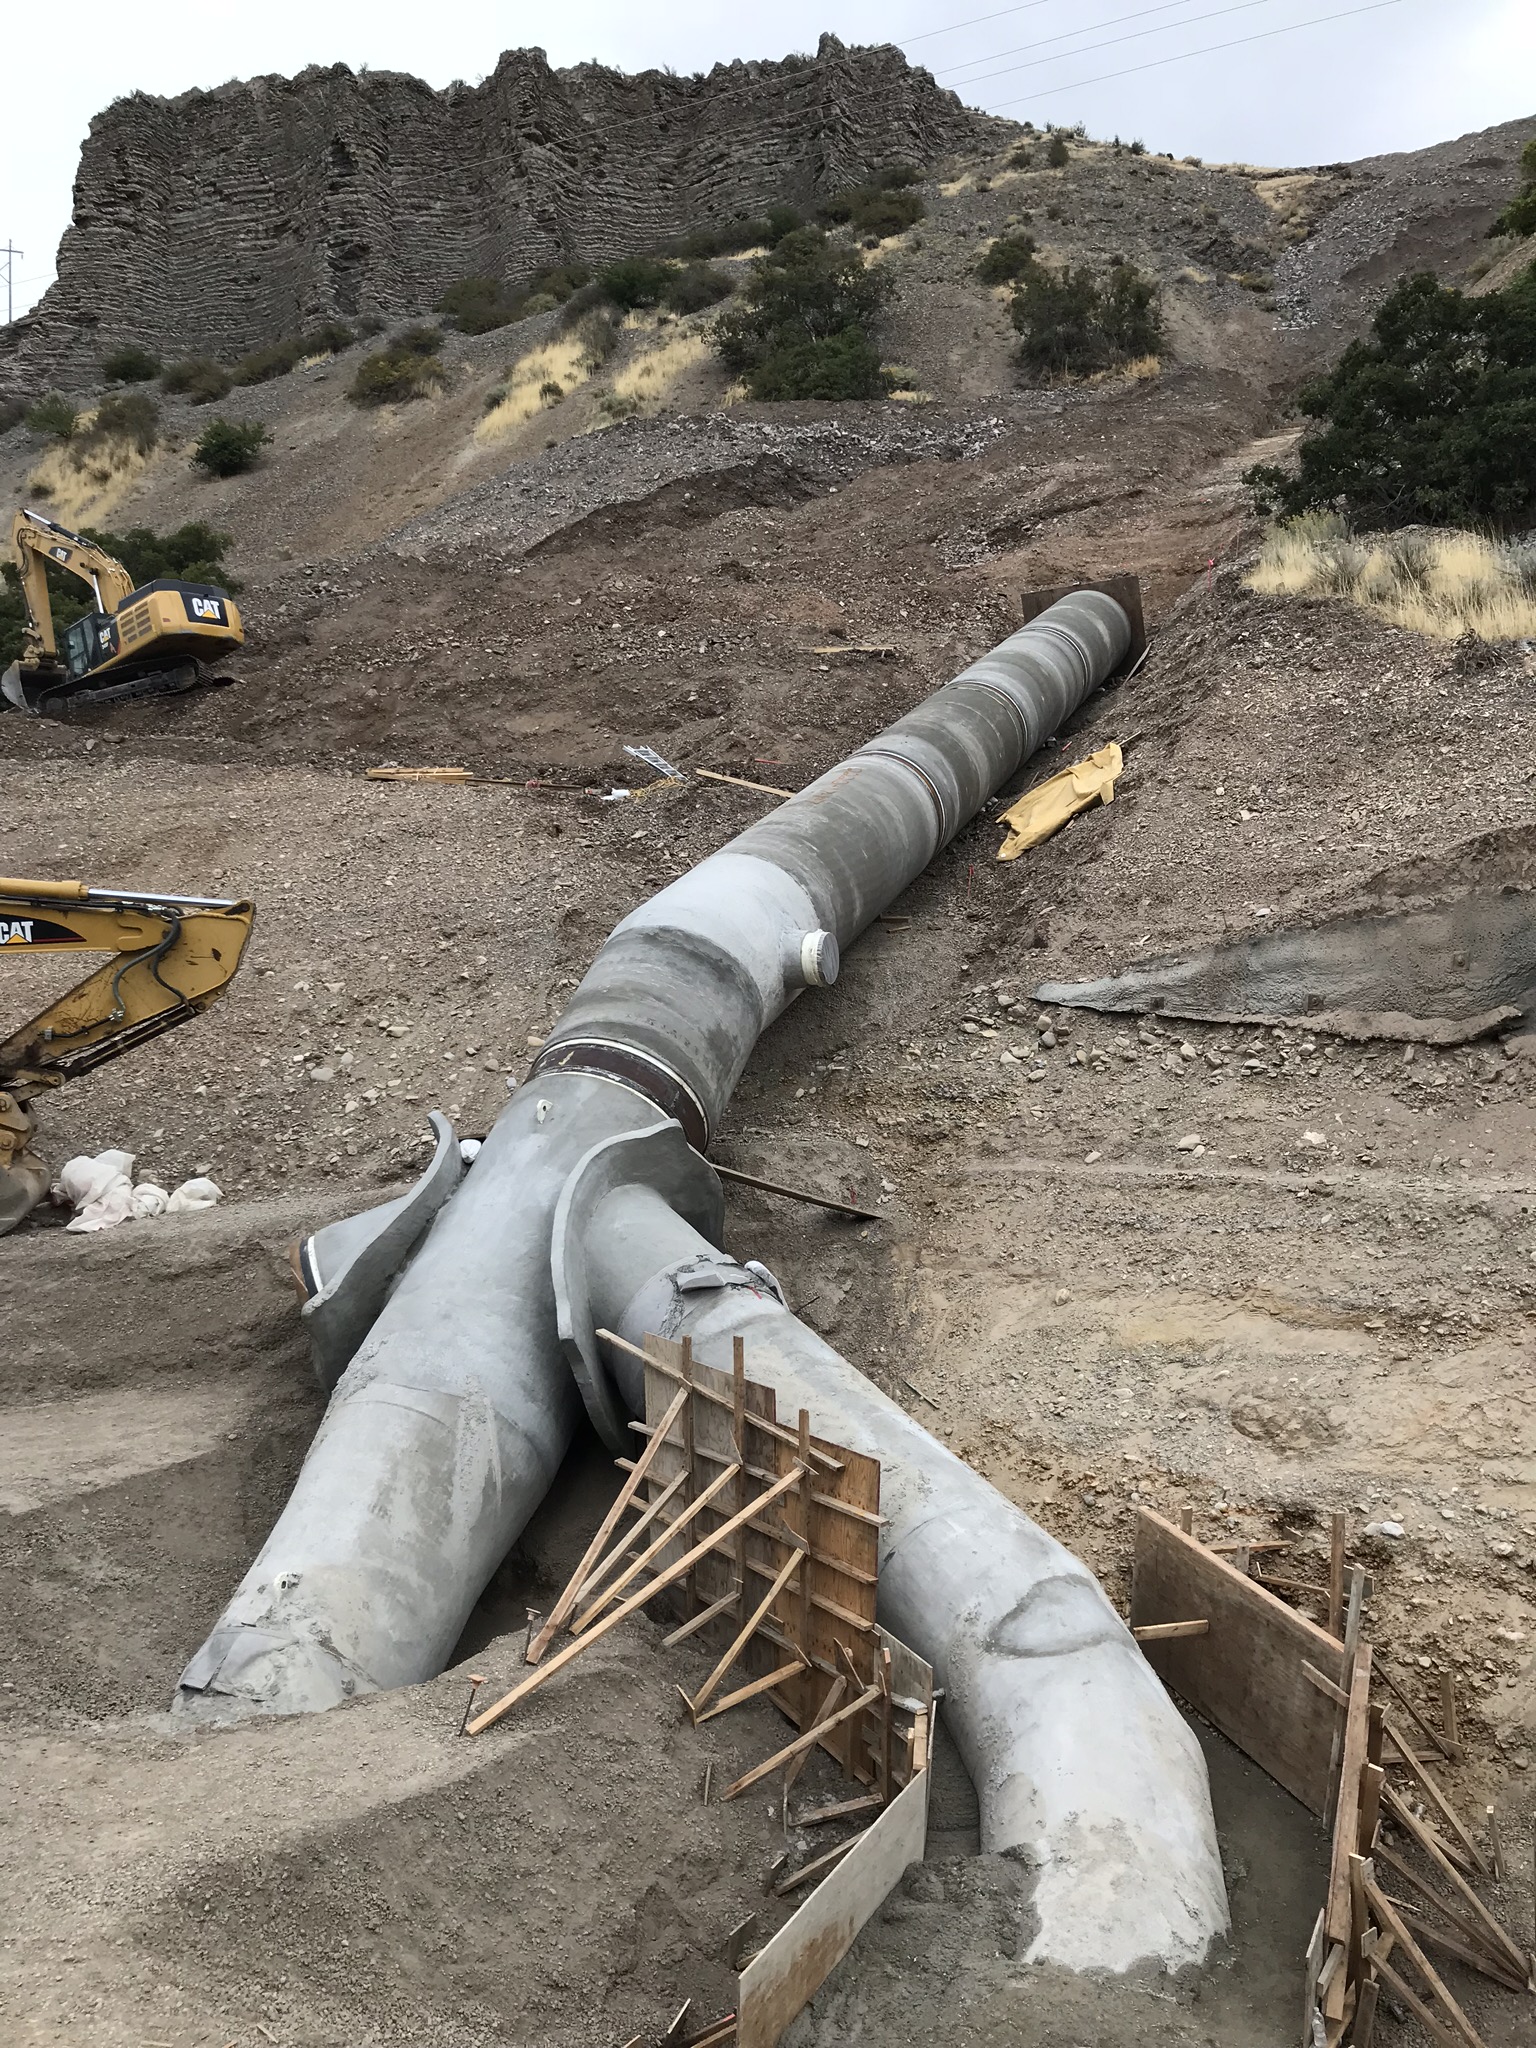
(445, 1429)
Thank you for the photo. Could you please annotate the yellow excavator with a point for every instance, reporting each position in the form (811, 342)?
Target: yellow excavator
(173, 956)
(152, 640)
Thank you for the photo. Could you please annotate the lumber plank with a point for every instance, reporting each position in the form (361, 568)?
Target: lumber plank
(796, 1878)
(1170, 1631)
(833, 1694)
(845, 1809)
(1410, 1709)
(766, 1683)
(1463, 1951)
(1425, 2015)
(748, 1629)
(1389, 1917)
(1245, 1673)
(622, 1612)
(791, 1968)
(802, 1741)
(708, 1393)
(1346, 1827)
(671, 1529)
(621, 1549)
(1404, 1814)
(1431, 1790)
(599, 1543)
(699, 1620)
(1468, 1928)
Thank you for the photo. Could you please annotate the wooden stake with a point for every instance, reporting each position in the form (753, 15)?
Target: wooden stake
(815, 1869)
(1402, 1812)
(1467, 1952)
(782, 1676)
(1336, 1578)
(1168, 1631)
(1436, 1797)
(1316, 1949)
(1357, 1581)
(845, 1809)
(1347, 1825)
(1187, 1521)
(835, 1692)
(690, 1473)
(631, 1606)
(1467, 1927)
(1430, 1735)
(1417, 2007)
(807, 1740)
(774, 1429)
(700, 1620)
(1365, 2014)
(596, 1547)
(745, 1633)
(621, 1550)
(741, 782)
(773, 1187)
(803, 1638)
(638, 1564)
(739, 1440)
(1448, 1716)
(1495, 1847)
(1389, 1917)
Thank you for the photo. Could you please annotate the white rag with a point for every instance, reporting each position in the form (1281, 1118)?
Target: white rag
(193, 1195)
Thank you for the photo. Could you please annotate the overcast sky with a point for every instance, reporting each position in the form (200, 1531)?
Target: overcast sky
(1393, 76)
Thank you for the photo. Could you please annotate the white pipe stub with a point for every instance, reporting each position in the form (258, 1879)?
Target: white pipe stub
(819, 959)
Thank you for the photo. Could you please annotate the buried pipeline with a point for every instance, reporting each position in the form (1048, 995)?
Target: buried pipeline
(459, 1327)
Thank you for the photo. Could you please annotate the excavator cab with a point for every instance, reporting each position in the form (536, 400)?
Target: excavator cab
(152, 640)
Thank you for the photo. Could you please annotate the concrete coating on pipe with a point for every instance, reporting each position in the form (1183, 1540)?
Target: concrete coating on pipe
(1082, 1765)
(447, 1426)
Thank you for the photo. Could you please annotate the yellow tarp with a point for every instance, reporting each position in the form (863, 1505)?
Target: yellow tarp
(1047, 807)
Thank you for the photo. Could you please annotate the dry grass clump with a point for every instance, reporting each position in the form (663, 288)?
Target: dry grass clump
(1441, 584)
(650, 375)
(564, 363)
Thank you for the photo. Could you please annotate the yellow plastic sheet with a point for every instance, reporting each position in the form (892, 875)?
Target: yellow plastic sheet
(1047, 807)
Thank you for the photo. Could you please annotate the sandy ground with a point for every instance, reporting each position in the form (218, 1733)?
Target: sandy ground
(1329, 1307)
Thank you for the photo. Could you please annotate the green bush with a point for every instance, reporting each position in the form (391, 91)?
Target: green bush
(479, 305)
(803, 329)
(1057, 153)
(638, 281)
(885, 205)
(1519, 217)
(696, 286)
(130, 364)
(1021, 157)
(53, 415)
(551, 391)
(1430, 421)
(1071, 325)
(409, 368)
(369, 325)
(598, 335)
(559, 282)
(328, 339)
(199, 378)
(131, 416)
(261, 365)
(1007, 259)
(227, 447)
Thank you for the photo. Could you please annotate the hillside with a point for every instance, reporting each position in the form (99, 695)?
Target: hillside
(1328, 1306)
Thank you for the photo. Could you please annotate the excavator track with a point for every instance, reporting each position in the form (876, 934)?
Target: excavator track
(169, 682)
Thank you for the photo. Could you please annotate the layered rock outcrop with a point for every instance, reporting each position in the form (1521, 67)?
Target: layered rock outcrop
(219, 220)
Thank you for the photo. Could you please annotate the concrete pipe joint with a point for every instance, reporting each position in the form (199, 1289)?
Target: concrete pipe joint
(461, 1320)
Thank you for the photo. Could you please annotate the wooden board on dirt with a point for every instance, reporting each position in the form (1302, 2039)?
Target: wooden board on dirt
(1245, 1673)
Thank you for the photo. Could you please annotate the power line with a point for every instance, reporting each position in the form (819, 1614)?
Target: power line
(1109, 42)
(1018, 50)
(1157, 63)
(928, 34)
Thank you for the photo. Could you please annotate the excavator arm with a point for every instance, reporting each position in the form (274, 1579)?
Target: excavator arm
(171, 957)
(36, 541)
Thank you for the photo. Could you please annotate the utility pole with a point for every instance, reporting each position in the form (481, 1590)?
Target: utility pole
(11, 253)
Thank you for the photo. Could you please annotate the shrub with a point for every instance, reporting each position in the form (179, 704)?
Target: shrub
(585, 299)
(1138, 147)
(1057, 153)
(129, 364)
(1430, 420)
(597, 335)
(637, 281)
(550, 391)
(409, 368)
(1020, 158)
(199, 378)
(1070, 325)
(1007, 259)
(328, 339)
(370, 325)
(559, 281)
(883, 206)
(479, 305)
(131, 416)
(803, 329)
(1519, 217)
(696, 286)
(1440, 584)
(261, 365)
(227, 447)
(53, 415)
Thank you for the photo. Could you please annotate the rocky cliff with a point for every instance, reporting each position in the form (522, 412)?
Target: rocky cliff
(219, 220)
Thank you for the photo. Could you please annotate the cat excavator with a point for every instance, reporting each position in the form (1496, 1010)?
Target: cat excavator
(150, 641)
(172, 957)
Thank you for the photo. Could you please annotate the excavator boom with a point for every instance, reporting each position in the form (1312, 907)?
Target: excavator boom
(137, 642)
(171, 957)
